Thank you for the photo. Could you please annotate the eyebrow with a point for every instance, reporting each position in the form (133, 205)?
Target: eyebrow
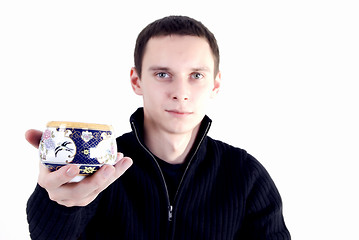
(158, 68)
(195, 69)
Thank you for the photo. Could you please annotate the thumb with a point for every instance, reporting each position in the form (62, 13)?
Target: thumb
(33, 137)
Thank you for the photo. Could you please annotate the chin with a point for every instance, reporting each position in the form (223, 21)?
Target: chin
(182, 128)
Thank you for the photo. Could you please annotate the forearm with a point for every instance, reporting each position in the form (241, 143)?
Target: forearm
(49, 220)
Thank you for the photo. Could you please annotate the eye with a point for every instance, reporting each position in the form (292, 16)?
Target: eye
(162, 75)
(196, 76)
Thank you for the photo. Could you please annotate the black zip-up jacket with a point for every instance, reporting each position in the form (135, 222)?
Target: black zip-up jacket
(224, 194)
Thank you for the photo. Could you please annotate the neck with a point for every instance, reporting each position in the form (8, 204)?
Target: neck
(170, 147)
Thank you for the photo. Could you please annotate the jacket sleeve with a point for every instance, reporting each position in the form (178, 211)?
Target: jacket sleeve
(49, 220)
(263, 214)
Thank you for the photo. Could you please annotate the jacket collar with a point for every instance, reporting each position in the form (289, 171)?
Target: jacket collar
(137, 119)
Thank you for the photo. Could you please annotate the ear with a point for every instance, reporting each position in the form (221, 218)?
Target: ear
(135, 81)
(217, 85)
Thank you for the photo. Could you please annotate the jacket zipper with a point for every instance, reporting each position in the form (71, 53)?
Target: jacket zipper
(185, 172)
(190, 161)
(170, 207)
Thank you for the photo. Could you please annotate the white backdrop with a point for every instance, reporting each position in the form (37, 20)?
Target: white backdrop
(289, 96)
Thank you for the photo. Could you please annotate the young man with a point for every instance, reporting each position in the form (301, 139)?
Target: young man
(182, 184)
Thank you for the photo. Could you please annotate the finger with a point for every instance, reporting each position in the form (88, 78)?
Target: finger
(119, 157)
(84, 192)
(122, 166)
(43, 170)
(53, 180)
(91, 186)
(33, 137)
(80, 193)
(119, 168)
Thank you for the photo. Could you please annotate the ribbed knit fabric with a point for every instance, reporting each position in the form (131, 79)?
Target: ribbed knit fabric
(224, 194)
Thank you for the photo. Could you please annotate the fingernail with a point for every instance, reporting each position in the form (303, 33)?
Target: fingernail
(71, 171)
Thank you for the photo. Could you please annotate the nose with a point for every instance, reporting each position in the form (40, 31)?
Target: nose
(180, 91)
(180, 98)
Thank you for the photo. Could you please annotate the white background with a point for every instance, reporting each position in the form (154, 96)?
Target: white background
(290, 72)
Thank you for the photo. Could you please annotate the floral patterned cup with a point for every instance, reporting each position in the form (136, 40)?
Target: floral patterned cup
(85, 144)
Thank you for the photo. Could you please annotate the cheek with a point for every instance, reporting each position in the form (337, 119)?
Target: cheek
(154, 95)
(204, 92)
(201, 97)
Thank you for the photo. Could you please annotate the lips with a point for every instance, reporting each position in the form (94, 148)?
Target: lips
(179, 112)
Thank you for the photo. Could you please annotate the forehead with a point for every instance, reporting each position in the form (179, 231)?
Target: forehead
(178, 51)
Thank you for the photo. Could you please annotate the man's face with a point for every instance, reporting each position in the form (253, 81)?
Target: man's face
(176, 83)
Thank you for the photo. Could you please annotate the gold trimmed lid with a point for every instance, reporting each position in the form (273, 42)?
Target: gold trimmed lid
(80, 125)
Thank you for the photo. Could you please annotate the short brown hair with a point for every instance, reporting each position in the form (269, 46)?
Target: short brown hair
(174, 25)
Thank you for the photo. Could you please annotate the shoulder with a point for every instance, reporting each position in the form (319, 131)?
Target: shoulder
(232, 154)
(236, 160)
(242, 167)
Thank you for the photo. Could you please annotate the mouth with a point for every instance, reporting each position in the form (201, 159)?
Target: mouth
(179, 113)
